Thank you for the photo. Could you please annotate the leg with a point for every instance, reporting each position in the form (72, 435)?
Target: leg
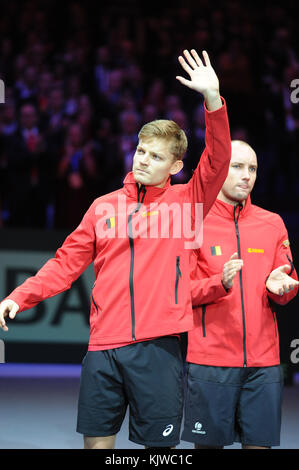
(197, 446)
(259, 411)
(165, 448)
(154, 388)
(106, 442)
(210, 406)
(102, 403)
(244, 446)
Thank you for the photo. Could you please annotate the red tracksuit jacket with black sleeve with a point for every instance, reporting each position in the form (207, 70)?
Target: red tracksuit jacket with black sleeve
(142, 279)
(238, 327)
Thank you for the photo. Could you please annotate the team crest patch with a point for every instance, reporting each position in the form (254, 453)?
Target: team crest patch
(286, 243)
(216, 250)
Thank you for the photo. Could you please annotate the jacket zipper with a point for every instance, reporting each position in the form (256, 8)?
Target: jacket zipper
(271, 305)
(178, 275)
(203, 320)
(131, 243)
(292, 265)
(274, 323)
(95, 304)
(241, 283)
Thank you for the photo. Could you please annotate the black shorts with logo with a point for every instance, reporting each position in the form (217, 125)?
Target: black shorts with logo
(227, 404)
(147, 377)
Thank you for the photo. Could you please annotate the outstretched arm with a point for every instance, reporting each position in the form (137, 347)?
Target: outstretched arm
(57, 274)
(211, 172)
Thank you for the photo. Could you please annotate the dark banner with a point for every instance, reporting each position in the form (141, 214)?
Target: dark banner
(57, 329)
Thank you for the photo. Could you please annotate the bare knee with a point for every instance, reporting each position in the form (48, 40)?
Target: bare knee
(106, 442)
(197, 446)
(159, 447)
(244, 446)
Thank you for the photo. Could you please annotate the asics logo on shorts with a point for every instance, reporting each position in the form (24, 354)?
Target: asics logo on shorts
(168, 430)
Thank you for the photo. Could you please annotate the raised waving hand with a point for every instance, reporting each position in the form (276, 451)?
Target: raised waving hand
(203, 78)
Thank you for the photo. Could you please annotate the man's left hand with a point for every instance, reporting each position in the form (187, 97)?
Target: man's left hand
(279, 282)
(202, 78)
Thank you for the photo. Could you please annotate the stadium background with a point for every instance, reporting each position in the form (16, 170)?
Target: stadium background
(80, 80)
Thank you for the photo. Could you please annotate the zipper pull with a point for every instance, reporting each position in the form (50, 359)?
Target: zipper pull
(178, 265)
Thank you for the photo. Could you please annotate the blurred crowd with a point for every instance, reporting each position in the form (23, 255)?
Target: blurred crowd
(81, 78)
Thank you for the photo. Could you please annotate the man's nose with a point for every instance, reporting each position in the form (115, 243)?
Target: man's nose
(246, 175)
(144, 159)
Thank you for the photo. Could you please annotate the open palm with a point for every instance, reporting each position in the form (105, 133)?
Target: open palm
(202, 76)
(279, 282)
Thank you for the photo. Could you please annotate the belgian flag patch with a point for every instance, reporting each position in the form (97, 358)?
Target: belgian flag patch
(216, 250)
(110, 222)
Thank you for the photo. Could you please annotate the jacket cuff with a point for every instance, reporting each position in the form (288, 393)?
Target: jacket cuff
(220, 110)
(223, 290)
(227, 290)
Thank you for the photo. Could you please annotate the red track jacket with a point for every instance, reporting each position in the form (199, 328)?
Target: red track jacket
(142, 288)
(238, 328)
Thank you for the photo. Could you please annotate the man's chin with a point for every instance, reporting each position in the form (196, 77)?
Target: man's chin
(141, 178)
(241, 196)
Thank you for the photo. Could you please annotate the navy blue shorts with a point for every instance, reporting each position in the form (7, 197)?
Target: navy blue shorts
(148, 377)
(228, 404)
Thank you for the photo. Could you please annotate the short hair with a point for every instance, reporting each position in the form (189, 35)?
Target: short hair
(241, 142)
(169, 131)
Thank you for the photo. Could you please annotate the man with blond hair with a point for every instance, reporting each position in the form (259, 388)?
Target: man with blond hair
(141, 299)
(243, 268)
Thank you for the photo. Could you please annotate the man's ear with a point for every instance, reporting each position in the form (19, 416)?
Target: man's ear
(176, 167)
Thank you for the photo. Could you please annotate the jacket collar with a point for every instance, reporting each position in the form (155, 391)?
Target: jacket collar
(143, 193)
(231, 211)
